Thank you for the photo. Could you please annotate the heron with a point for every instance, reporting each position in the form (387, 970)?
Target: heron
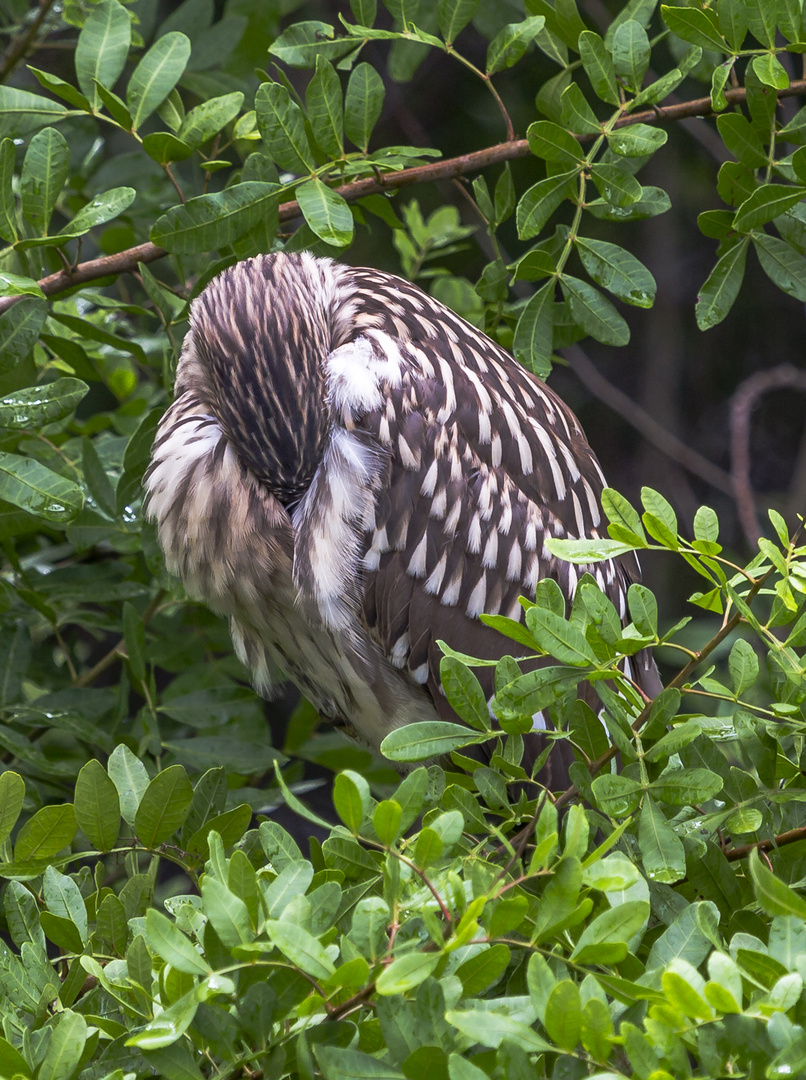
(350, 473)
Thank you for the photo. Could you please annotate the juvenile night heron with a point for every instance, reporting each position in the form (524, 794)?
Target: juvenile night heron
(350, 472)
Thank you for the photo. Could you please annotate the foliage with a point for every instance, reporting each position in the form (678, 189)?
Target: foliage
(452, 927)
(458, 924)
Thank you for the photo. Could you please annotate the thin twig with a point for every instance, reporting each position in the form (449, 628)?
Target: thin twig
(677, 682)
(359, 189)
(22, 42)
(638, 418)
(117, 650)
(741, 408)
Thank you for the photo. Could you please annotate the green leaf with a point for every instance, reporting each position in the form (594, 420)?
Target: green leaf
(405, 973)
(483, 969)
(22, 112)
(594, 313)
(577, 115)
(23, 916)
(491, 1028)
(616, 795)
(102, 48)
(8, 210)
(721, 288)
(326, 212)
(464, 693)
(208, 118)
(533, 340)
(130, 778)
(341, 1063)
(553, 143)
(616, 185)
(302, 42)
(742, 139)
(163, 807)
(65, 1048)
(12, 1062)
(36, 406)
(540, 201)
(45, 834)
(770, 71)
(719, 81)
(606, 938)
(44, 172)
(453, 16)
(766, 203)
(691, 24)
(282, 128)
(157, 73)
(351, 798)
(735, 183)
(743, 666)
(411, 795)
(563, 1016)
(12, 795)
(429, 739)
(364, 11)
(782, 264)
(706, 524)
(301, 948)
(169, 942)
(386, 820)
(637, 140)
(97, 806)
(617, 271)
(63, 899)
(363, 104)
(771, 893)
(559, 638)
(100, 209)
(583, 552)
(631, 53)
(653, 201)
(213, 221)
(598, 66)
(325, 110)
(687, 787)
(164, 147)
(510, 43)
(662, 853)
(33, 487)
(60, 88)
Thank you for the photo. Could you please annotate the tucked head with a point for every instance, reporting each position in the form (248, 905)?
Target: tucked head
(259, 334)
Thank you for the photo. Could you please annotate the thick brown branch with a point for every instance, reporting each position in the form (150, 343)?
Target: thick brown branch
(373, 185)
(794, 836)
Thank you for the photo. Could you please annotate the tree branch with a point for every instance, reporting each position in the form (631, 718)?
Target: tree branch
(651, 430)
(741, 408)
(126, 260)
(21, 42)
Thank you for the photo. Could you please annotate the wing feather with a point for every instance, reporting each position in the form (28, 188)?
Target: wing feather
(483, 462)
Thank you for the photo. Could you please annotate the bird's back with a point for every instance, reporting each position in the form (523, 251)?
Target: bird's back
(436, 467)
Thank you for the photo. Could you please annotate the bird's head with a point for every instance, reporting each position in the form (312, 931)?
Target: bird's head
(259, 334)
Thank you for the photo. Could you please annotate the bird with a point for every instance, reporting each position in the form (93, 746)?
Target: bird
(351, 472)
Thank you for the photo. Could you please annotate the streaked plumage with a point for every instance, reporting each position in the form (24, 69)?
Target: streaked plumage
(350, 472)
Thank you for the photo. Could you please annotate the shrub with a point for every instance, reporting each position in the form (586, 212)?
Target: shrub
(648, 921)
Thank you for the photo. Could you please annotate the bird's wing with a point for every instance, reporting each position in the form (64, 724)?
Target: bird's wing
(451, 466)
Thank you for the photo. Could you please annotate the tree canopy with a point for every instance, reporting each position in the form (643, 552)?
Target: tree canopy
(585, 182)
